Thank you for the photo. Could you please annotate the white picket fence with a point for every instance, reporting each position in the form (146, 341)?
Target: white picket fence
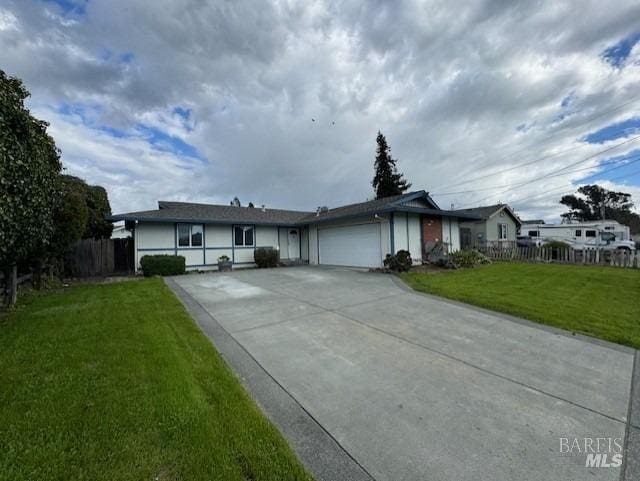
(617, 258)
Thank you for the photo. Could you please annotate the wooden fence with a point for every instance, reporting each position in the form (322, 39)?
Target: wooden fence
(21, 280)
(617, 258)
(99, 257)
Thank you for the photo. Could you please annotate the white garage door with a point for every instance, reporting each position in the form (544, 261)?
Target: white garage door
(354, 245)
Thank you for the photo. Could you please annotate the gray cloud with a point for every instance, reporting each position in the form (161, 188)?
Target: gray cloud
(448, 84)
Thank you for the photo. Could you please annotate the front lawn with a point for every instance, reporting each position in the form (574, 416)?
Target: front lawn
(602, 302)
(116, 382)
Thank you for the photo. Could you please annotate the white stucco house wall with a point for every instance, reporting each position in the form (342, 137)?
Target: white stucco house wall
(355, 235)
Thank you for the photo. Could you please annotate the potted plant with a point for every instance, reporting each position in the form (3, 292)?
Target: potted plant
(224, 263)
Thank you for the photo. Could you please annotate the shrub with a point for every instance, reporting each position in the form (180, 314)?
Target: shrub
(401, 262)
(557, 245)
(223, 258)
(466, 258)
(266, 257)
(162, 265)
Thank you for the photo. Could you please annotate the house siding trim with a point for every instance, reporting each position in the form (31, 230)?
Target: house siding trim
(392, 233)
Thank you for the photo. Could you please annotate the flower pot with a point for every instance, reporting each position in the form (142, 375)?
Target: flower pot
(224, 266)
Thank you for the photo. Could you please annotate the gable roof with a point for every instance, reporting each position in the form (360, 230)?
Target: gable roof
(489, 211)
(214, 213)
(227, 214)
(375, 206)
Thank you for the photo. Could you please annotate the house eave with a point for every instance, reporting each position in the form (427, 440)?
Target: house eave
(509, 211)
(386, 210)
(191, 220)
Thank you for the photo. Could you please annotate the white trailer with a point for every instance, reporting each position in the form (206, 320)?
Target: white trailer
(604, 234)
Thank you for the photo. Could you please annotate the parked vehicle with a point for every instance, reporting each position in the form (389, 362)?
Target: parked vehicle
(528, 241)
(606, 235)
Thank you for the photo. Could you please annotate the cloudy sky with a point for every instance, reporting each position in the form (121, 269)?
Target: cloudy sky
(512, 101)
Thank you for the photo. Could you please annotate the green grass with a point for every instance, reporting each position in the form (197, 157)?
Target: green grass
(601, 302)
(116, 382)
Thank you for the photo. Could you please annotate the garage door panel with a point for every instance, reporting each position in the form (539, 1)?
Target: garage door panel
(354, 245)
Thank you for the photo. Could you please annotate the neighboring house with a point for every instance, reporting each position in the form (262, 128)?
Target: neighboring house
(119, 232)
(358, 235)
(497, 225)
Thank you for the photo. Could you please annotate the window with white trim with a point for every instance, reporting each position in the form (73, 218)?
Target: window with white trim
(190, 235)
(243, 236)
(502, 231)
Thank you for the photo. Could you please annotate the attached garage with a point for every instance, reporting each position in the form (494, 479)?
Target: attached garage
(351, 245)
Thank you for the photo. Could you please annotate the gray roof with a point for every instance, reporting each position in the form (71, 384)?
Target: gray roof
(375, 206)
(487, 211)
(212, 213)
(226, 214)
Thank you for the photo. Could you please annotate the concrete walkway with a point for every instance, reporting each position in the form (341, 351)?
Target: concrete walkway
(370, 380)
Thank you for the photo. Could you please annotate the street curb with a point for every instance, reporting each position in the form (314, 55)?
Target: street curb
(320, 452)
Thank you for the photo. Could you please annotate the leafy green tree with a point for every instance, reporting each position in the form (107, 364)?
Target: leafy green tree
(70, 216)
(98, 225)
(387, 180)
(29, 178)
(595, 203)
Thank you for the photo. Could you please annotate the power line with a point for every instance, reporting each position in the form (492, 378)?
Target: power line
(604, 164)
(543, 194)
(561, 169)
(591, 119)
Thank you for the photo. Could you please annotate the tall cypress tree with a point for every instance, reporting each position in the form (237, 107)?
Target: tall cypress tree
(387, 180)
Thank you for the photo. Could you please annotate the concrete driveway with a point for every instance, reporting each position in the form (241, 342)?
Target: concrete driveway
(413, 387)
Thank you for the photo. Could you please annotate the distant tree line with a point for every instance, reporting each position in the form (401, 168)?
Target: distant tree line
(593, 202)
(42, 211)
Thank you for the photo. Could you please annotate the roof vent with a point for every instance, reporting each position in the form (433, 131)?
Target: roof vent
(322, 210)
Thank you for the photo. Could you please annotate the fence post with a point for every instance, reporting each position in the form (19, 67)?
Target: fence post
(11, 285)
(37, 275)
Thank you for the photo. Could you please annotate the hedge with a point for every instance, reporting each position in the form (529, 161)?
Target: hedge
(163, 265)
(266, 257)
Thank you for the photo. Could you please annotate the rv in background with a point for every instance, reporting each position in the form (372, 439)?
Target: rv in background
(603, 234)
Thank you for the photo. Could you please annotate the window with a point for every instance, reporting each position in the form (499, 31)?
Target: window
(608, 237)
(502, 231)
(196, 235)
(590, 233)
(190, 235)
(533, 233)
(243, 236)
(183, 235)
(578, 233)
